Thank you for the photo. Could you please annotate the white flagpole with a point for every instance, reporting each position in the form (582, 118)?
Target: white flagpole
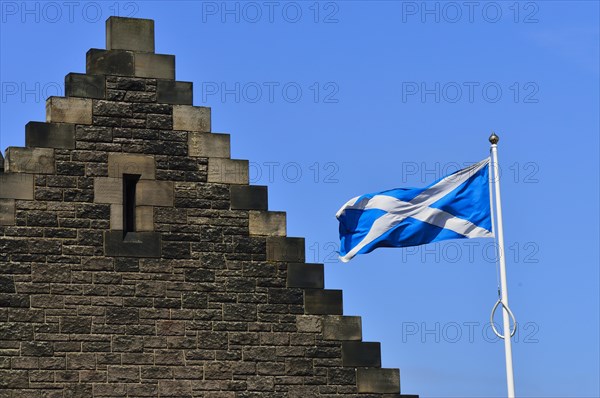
(504, 287)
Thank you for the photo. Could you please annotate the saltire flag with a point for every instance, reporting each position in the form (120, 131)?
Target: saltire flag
(454, 207)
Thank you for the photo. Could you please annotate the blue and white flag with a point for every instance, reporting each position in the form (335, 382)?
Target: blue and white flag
(456, 206)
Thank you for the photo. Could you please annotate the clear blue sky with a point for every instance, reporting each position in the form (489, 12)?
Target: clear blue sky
(337, 99)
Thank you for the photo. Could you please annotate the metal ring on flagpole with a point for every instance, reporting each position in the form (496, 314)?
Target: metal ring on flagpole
(512, 333)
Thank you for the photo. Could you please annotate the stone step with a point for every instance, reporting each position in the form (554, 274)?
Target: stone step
(249, 197)
(378, 380)
(311, 276)
(342, 328)
(129, 63)
(285, 249)
(174, 92)
(361, 354)
(323, 302)
(113, 62)
(69, 110)
(192, 118)
(158, 66)
(209, 145)
(267, 223)
(228, 171)
(134, 34)
(50, 135)
(29, 160)
(85, 86)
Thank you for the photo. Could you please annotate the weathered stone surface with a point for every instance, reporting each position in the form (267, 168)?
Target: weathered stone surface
(29, 160)
(209, 145)
(311, 276)
(112, 62)
(126, 163)
(144, 218)
(285, 249)
(69, 110)
(154, 193)
(382, 381)
(249, 197)
(122, 315)
(267, 223)
(16, 186)
(75, 325)
(7, 211)
(108, 190)
(191, 118)
(85, 86)
(174, 92)
(361, 354)
(50, 135)
(158, 66)
(135, 244)
(133, 34)
(228, 171)
(116, 216)
(323, 302)
(342, 328)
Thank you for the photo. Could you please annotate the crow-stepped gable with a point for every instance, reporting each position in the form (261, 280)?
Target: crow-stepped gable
(136, 261)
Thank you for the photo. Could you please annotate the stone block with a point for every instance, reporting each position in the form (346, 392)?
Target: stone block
(109, 62)
(123, 374)
(174, 92)
(305, 275)
(116, 217)
(125, 163)
(309, 323)
(108, 190)
(378, 381)
(154, 193)
(267, 223)
(342, 328)
(209, 145)
(323, 302)
(50, 135)
(285, 249)
(249, 197)
(122, 316)
(134, 244)
(16, 186)
(144, 218)
(75, 325)
(133, 34)
(156, 66)
(361, 354)
(179, 388)
(85, 86)
(7, 212)
(69, 110)
(191, 118)
(30, 160)
(228, 171)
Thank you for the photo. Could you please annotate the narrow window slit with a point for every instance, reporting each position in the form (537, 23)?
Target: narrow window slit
(129, 185)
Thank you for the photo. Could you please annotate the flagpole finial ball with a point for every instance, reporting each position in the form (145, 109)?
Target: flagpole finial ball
(494, 139)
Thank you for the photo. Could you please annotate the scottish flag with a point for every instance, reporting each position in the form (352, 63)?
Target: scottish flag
(454, 207)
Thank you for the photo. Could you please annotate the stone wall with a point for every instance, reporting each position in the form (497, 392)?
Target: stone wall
(136, 261)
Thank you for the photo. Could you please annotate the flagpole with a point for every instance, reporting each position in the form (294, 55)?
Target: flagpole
(502, 259)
